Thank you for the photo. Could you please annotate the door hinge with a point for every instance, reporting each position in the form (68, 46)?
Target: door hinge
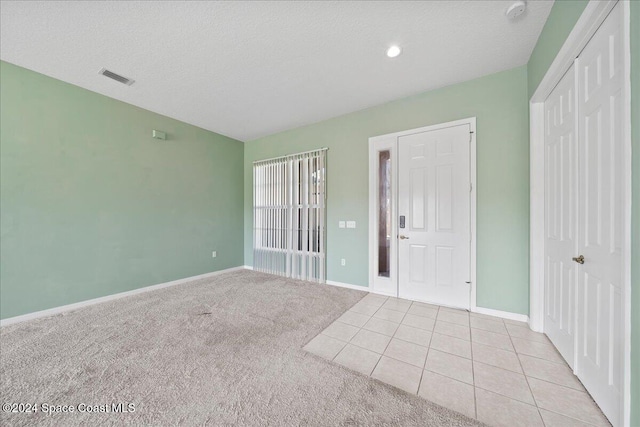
(470, 187)
(470, 136)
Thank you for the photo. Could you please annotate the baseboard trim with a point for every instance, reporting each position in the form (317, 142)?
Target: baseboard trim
(348, 286)
(502, 314)
(333, 283)
(77, 305)
(480, 310)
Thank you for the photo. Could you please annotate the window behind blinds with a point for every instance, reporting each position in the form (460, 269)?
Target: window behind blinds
(289, 214)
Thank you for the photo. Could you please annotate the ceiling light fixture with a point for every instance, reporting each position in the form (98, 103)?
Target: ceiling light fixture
(394, 51)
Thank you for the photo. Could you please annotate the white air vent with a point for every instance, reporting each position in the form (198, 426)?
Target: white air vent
(116, 77)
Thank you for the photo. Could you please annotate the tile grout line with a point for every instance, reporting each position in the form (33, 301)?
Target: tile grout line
(456, 324)
(504, 395)
(563, 386)
(424, 367)
(346, 343)
(428, 351)
(429, 348)
(360, 328)
(373, 351)
(573, 418)
(492, 332)
(387, 346)
(537, 357)
(391, 336)
(410, 342)
(526, 378)
(473, 373)
(519, 363)
(390, 357)
(448, 352)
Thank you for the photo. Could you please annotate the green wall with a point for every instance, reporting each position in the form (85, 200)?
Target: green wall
(91, 205)
(499, 102)
(563, 16)
(561, 21)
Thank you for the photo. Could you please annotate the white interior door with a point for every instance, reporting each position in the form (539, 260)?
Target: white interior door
(600, 237)
(561, 157)
(434, 198)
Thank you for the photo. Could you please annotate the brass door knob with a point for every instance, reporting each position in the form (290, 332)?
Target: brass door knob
(403, 237)
(579, 260)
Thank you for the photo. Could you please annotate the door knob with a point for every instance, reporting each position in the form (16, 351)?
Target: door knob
(403, 237)
(579, 260)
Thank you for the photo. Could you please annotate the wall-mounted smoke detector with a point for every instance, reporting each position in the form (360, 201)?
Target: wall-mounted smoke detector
(117, 77)
(516, 9)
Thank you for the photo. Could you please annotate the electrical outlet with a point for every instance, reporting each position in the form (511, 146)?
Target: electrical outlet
(343, 262)
(214, 254)
(351, 224)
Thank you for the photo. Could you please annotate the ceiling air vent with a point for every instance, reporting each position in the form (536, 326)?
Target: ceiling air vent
(116, 77)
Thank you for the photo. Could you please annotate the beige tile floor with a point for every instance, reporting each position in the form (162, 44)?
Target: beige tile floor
(497, 371)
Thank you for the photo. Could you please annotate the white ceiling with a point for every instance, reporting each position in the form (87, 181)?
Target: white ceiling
(250, 69)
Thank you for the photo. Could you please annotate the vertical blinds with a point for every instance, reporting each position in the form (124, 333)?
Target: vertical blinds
(289, 214)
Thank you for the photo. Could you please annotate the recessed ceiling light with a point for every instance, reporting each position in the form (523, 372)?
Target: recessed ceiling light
(394, 51)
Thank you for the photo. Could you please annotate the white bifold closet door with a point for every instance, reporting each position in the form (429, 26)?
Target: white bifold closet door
(600, 217)
(584, 169)
(289, 233)
(561, 158)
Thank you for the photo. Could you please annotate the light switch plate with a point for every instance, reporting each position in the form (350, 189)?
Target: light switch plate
(351, 224)
(341, 224)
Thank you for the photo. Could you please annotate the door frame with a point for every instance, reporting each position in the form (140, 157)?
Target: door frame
(592, 17)
(390, 142)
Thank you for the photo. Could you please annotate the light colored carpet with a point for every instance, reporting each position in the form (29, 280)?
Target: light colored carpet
(220, 351)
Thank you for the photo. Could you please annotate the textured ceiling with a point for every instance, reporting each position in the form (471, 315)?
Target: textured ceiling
(249, 69)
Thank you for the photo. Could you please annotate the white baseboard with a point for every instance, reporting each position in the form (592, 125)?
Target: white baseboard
(480, 310)
(502, 314)
(77, 305)
(333, 283)
(348, 286)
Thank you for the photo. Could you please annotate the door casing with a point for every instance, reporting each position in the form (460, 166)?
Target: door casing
(593, 16)
(389, 286)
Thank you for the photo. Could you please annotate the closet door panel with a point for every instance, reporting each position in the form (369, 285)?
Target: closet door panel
(600, 291)
(561, 216)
